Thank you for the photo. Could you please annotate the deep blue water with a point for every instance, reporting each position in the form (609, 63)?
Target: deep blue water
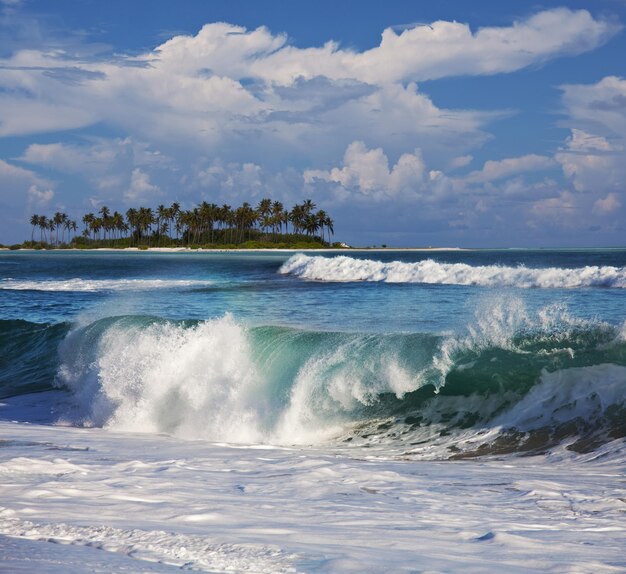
(249, 286)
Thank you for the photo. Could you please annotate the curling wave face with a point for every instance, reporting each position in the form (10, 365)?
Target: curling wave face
(342, 268)
(514, 381)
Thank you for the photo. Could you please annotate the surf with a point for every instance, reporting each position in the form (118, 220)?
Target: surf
(349, 269)
(96, 285)
(510, 371)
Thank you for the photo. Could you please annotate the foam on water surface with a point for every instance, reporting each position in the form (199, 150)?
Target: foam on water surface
(94, 285)
(344, 268)
(215, 508)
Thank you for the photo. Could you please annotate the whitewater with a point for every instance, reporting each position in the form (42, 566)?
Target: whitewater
(449, 411)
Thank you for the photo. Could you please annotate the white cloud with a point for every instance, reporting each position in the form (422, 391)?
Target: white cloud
(140, 187)
(227, 80)
(39, 198)
(21, 192)
(72, 159)
(494, 170)
(597, 108)
(581, 141)
(593, 157)
(367, 172)
(19, 183)
(419, 53)
(560, 210)
(461, 161)
(607, 205)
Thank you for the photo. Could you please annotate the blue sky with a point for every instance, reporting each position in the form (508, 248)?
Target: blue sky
(412, 123)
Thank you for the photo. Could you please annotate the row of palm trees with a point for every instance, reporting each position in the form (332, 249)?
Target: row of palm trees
(52, 225)
(205, 223)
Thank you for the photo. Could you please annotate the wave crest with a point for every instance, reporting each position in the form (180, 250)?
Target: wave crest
(348, 269)
(219, 380)
(94, 285)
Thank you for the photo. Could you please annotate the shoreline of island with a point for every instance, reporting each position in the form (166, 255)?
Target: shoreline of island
(242, 250)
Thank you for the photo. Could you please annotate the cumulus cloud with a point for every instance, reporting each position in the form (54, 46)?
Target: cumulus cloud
(17, 182)
(597, 108)
(607, 205)
(141, 189)
(227, 79)
(418, 53)
(22, 190)
(39, 197)
(593, 157)
(367, 172)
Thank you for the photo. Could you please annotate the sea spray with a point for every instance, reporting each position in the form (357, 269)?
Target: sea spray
(155, 376)
(222, 381)
(342, 268)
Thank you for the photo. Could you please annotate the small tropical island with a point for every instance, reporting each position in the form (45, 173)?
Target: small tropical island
(207, 226)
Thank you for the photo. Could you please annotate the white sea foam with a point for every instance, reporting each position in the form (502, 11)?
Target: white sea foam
(143, 503)
(203, 381)
(192, 382)
(93, 285)
(349, 269)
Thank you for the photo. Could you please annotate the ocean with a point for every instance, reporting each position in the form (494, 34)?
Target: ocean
(355, 411)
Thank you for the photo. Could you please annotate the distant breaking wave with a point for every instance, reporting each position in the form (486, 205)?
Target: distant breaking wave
(94, 285)
(349, 269)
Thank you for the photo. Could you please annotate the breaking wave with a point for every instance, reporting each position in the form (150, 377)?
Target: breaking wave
(93, 285)
(514, 381)
(342, 268)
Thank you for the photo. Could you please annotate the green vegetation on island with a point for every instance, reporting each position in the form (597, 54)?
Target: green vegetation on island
(208, 225)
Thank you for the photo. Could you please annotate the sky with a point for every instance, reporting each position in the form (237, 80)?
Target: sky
(412, 123)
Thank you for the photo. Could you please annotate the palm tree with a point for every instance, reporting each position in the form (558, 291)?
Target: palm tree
(161, 216)
(74, 227)
(329, 223)
(96, 227)
(117, 223)
(58, 222)
(277, 216)
(105, 213)
(133, 223)
(227, 218)
(145, 218)
(321, 217)
(297, 217)
(51, 228)
(43, 226)
(174, 211)
(34, 221)
(67, 226)
(88, 220)
(310, 224)
(308, 206)
(264, 209)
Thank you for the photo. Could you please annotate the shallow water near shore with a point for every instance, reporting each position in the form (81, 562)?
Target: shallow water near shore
(439, 411)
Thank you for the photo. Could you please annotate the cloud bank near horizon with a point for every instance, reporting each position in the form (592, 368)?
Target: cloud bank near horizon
(233, 114)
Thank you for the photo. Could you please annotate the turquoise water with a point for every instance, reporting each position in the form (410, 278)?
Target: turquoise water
(385, 347)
